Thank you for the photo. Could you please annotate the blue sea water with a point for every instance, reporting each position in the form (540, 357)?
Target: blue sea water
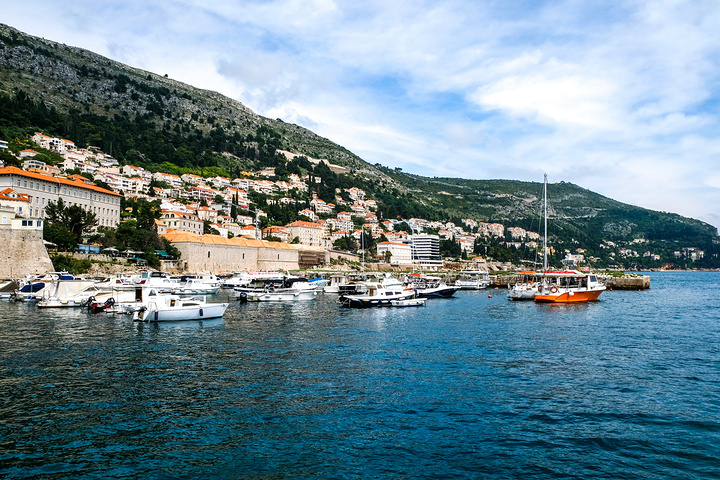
(470, 387)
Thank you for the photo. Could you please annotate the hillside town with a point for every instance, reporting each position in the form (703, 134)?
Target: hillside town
(220, 206)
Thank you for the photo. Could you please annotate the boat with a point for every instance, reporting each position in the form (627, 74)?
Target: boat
(565, 286)
(162, 282)
(243, 279)
(377, 295)
(409, 302)
(526, 287)
(173, 308)
(290, 289)
(195, 286)
(7, 289)
(31, 289)
(319, 283)
(334, 283)
(473, 280)
(355, 283)
(427, 286)
(569, 286)
(68, 293)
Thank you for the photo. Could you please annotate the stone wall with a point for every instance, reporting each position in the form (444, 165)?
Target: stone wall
(22, 253)
(225, 259)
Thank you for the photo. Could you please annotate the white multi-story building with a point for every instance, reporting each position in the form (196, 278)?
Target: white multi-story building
(426, 251)
(308, 233)
(44, 189)
(184, 221)
(400, 253)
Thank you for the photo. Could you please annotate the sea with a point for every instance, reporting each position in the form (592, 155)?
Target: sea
(475, 386)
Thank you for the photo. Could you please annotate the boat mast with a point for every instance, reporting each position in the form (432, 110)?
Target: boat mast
(545, 263)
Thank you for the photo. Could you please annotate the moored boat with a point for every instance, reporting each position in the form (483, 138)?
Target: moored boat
(173, 308)
(377, 295)
(569, 286)
(409, 302)
(566, 286)
(525, 288)
(427, 286)
(473, 279)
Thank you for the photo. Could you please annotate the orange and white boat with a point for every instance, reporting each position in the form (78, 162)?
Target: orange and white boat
(568, 286)
(565, 286)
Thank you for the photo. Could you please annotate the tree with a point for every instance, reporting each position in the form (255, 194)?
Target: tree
(67, 224)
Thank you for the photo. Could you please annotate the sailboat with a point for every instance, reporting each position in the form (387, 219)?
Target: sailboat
(565, 286)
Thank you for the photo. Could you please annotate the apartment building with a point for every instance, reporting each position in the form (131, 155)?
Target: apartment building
(44, 189)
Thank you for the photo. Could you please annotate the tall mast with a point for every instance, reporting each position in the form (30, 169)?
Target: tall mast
(545, 263)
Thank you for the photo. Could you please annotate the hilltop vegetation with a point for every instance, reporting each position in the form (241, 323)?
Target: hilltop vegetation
(160, 124)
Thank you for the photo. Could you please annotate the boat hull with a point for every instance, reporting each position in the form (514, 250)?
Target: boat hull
(290, 296)
(568, 297)
(446, 292)
(189, 313)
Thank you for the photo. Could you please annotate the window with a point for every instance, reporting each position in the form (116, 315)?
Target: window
(4, 220)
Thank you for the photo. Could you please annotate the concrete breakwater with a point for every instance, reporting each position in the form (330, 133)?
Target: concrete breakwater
(628, 281)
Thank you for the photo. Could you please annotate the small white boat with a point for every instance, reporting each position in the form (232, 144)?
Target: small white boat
(377, 295)
(195, 286)
(526, 288)
(334, 283)
(291, 289)
(282, 295)
(473, 279)
(243, 279)
(409, 302)
(160, 281)
(172, 308)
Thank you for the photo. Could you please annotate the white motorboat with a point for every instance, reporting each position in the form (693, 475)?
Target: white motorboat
(526, 288)
(32, 289)
(409, 302)
(334, 283)
(173, 308)
(243, 279)
(291, 289)
(68, 293)
(377, 295)
(473, 279)
(195, 286)
(319, 283)
(282, 295)
(428, 286)
(160, 281)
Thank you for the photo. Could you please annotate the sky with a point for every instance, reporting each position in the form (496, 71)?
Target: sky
(621, 97)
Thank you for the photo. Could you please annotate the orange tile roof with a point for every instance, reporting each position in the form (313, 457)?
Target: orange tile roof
(59, 180)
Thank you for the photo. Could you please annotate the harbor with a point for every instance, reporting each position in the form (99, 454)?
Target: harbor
(467, 386)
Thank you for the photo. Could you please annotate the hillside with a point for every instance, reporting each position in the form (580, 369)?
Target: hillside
(147, 119)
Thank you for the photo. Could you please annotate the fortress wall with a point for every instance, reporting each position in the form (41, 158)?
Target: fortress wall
(225, 259)
(22, 253)
(272, 259)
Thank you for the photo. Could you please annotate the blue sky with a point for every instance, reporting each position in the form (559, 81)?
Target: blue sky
(619, 97)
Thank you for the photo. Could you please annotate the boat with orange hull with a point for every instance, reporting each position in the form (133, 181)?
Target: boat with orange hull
(569, 286)
(566, 286)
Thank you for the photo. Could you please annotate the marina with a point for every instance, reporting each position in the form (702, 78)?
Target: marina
(465, 387)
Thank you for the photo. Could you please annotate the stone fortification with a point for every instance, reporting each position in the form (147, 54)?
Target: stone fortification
(23, 252)
(218, 255)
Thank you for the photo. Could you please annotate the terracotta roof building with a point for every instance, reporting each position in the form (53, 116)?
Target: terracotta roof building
(43, 189)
